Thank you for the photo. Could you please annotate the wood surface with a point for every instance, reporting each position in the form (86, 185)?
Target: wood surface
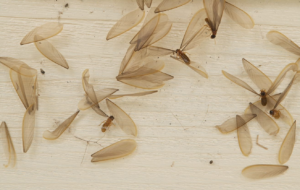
(177, 137)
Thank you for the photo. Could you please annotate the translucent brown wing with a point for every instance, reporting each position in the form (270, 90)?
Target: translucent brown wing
(231, 124)
(116, 150)
(239, 82)
(166, 5)
(8, 145)
(50, 52)
(28, 127)
(87, 103)
(285, 92)
(157, 28)
(92, 99)
(287, 145)
(195, 25)
(194, 66)
(52, 135)
(42, 32)
(146, 31)
(163, 28)
(25, 88)
(239, 16)
(265, 121)
(214, 10)
(132, 60)
(148, 3)
(140, 4)
(261, 171)
(158, 51)
(126, 23)
(280, 77)
(259, 78)
(133, 94)
(243, 135)
(18, 66)
(284, 114)
(149, 81)
(123, 120)
(202, 34)
(148, 66)
(278, 38)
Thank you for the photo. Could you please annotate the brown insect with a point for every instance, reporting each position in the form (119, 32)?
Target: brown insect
(107, 123)
(276, 112)
(214, 10)
(261, 80)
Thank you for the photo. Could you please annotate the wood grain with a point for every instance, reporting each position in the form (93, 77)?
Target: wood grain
(177, 138)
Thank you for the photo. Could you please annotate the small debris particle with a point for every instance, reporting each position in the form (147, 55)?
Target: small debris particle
(42, 71)
(211, 162)
(67, 5)
(172, 164)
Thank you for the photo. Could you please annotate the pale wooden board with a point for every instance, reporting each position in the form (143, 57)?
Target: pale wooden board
(176, 125)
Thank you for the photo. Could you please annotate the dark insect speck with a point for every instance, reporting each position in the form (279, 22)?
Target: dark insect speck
(211, 162)
(67, 5)
(42, 71)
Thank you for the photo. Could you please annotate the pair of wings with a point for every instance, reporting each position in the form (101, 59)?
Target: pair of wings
(261, 80)
(39, 35)
(215, 8)
(155, 27)
(24, 80)
(141, 72)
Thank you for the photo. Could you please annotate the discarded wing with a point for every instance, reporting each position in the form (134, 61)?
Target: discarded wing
(52, 135)
(287, 145)
(278, 38)
(50, 52)
(42, 32)
(276, 112)
(142, 2)
(8, 145)
(231, 124)
(126, 23)
(155, 29)
(92, 98)
(239, 16)
(265, 121)
(116, 150)
(28, 127)
(147, 76)
(261, 80)
(261, 171)
(133, 94)
(18, 66)
(26, 87)
(123, 120)
(243, 135)
(214, 10)
(166, 5)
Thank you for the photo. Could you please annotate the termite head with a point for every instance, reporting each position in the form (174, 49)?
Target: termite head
(213, 36)
(271, 112)
(262, 93)
(111, 117)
